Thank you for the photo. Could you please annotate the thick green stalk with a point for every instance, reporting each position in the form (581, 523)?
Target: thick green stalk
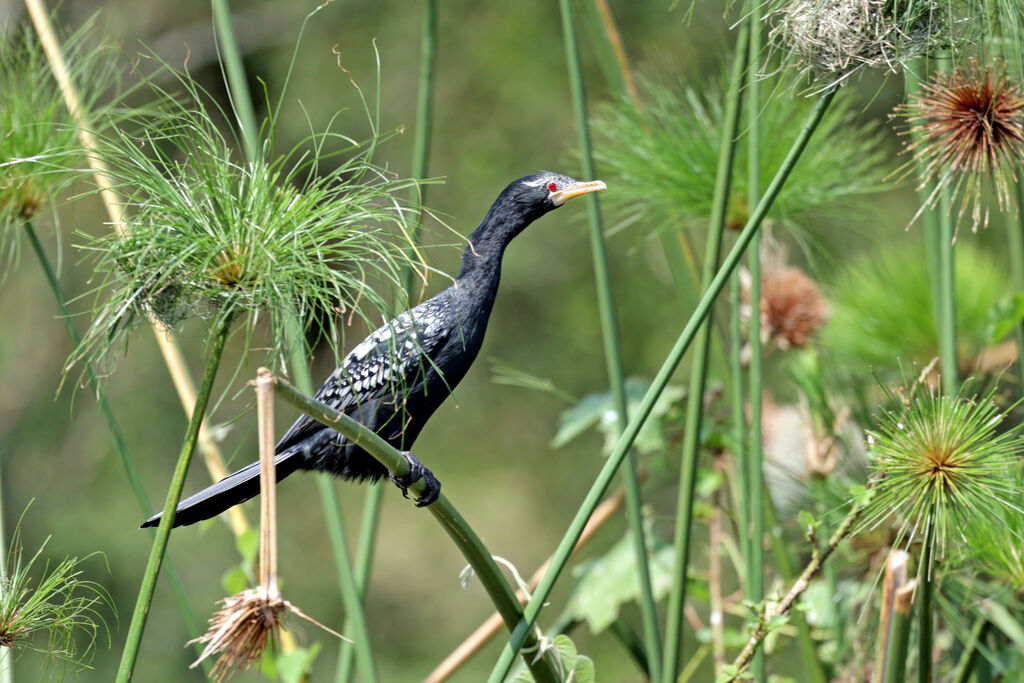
(163, 531)
(755, 467)
(191, 622)
(472, 548)
(661, 379)
(612, 346)
(424, 123)
(1015, 239)
(241, 101)
(969, 658)
(739, 418)
(947, 300)
(349, 586)
(231, 56)
(364, 558)
(673, 656)
(896, 659)
(925, 614)
(420, 165)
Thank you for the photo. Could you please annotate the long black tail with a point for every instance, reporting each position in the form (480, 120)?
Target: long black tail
(233, 489)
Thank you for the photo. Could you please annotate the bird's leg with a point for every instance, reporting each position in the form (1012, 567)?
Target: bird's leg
(417, 471)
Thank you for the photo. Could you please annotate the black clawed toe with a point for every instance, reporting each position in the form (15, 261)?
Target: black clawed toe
(416, 472)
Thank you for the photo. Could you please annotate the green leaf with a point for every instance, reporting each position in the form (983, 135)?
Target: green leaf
(235, 580)
(293, 666)
(861, 494)
(599, 410)
(807, 519)
(248, 544)
(609, 581)
(1005, 315)
(566, 651)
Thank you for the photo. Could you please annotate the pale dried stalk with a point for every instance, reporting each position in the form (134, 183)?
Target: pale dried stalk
(240, 629)
(895, 578)
(180, 376)
(487, 630)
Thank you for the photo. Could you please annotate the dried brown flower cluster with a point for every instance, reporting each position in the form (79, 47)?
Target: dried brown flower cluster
(967, 130)
(836, 38)
(239, 630)
(793, 307)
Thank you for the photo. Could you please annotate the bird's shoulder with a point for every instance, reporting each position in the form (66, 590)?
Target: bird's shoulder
(391, 355)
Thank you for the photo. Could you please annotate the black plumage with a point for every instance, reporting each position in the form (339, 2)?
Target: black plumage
(396, 378)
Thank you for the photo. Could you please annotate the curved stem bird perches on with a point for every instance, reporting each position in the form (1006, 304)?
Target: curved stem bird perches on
(472, 548)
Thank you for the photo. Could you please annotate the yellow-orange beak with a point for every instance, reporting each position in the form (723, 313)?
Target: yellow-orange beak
(575, 190)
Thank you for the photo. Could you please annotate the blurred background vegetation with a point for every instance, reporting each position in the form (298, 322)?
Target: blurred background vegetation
(502, 110)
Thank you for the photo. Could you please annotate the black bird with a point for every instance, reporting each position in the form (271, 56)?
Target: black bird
(395, 379)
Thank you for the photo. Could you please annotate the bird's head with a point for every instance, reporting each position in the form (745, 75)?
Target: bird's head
(550, 190)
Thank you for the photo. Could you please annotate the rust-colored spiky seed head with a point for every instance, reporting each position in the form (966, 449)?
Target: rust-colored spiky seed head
(792, 307)
(967, 131)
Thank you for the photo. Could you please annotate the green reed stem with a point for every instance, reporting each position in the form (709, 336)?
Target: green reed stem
(472, 548)
(349, 586)
(192, 624)
(1015, 239)
(673, 656)
(661, 379)
(163, 531)
(612, 345)
(364, 558)
(925, 614)
(424, 124)
(896, 659)
(231, 56)
(241, 102)
(755, 454)
(420, 165)
(969, 658)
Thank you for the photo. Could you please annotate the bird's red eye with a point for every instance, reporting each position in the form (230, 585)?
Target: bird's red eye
(552, 186)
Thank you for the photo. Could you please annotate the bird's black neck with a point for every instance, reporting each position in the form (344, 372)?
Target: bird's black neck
(481, 260)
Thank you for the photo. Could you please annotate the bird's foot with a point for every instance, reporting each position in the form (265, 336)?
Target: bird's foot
(416, 472)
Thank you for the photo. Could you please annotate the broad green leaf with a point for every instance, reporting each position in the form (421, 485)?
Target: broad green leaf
(235, 580)
(1007, 314)
(293, 666)
(599, 410)
(609, 581)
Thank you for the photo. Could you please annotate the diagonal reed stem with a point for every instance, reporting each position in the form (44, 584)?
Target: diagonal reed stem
(163, 531)
(177, 588)
(661, 379)
(612, 347)
(472, 548)
(698, 374)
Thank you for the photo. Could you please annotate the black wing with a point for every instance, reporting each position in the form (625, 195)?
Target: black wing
(389, 361)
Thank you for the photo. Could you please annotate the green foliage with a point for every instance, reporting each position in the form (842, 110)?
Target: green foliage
(942, 464)
(576, 668)
(598, 410)
(317, 231)
(882, 310)
(661, 160)
(52, 616)
(608, 582)
(38, 139)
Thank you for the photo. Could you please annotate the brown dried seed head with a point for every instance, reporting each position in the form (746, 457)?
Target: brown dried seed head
(793, 307)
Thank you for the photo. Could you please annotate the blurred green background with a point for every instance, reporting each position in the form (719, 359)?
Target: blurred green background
(502, 110)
